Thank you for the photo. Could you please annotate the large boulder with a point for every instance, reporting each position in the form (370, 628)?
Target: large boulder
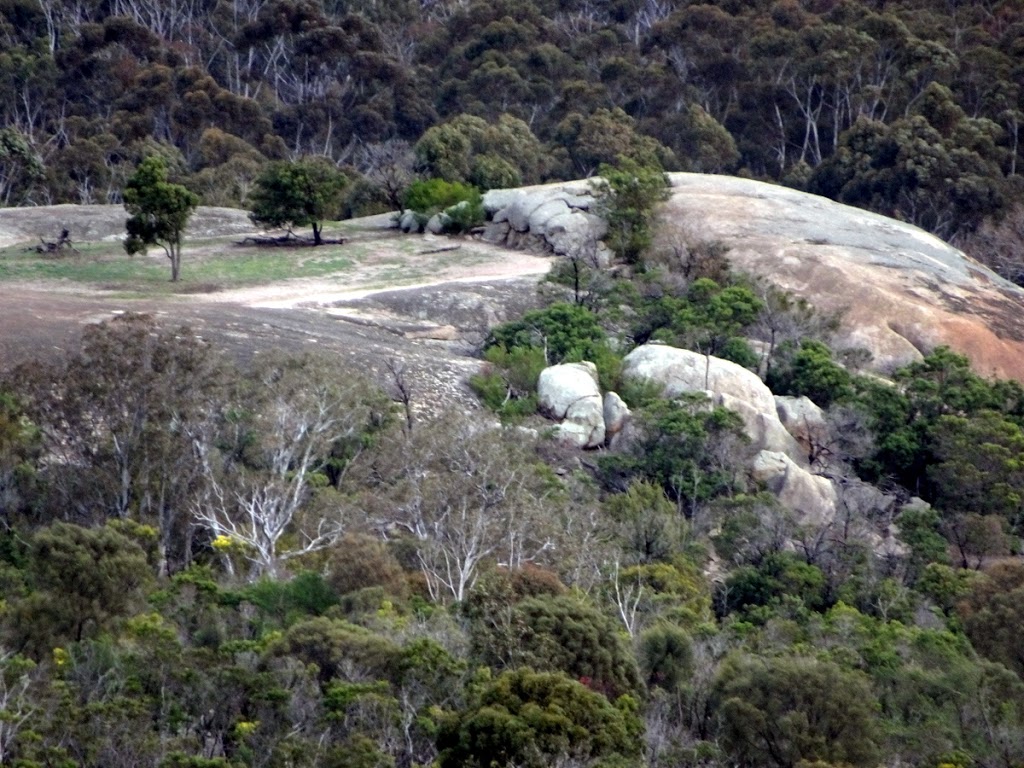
(569, 393)
(804, 420)
(549, 209)
(902, 291)
(729, 385)
(616, 414)
(410, 221)
(811, 497)
(553, 217)
(573, 231)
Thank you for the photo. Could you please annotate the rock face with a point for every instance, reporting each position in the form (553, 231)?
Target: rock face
(570, 394)
(804, 420)
(729, 385)
(549, 217)
(616, 414)
(106, 222)
(903, 291)
(409, 222)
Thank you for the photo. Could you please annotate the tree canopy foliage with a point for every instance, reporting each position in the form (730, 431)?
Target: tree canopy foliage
(208, 563)
(159, 211)
(911, 109)
(303, 193)
(214, 564)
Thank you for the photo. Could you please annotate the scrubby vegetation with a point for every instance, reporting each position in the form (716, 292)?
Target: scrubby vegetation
(208, 565)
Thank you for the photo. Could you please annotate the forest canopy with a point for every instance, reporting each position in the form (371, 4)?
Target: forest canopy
(209, 563)
(912, 108)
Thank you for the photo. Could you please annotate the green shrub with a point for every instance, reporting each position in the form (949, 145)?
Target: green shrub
(628, 197)
(289, 601)
(666, 656)
(360, 562)
(566, 333)
(493, 389)
(521, 367)
(493, 172)
(739, 351)
(535, 719)
(462, 203)
(812, 372)
(520, 350)
(777, 577)
(556, 633)
(677, 447)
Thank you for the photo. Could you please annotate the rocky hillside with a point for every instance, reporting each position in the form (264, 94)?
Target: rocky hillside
(901, 291)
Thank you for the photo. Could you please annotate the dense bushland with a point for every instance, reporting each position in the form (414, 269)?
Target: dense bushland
(212, 567)
(912, 109)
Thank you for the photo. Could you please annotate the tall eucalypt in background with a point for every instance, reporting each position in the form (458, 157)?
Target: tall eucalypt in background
(159, 212)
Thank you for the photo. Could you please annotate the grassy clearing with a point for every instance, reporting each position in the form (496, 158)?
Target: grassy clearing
(372, 256)
(209, 264)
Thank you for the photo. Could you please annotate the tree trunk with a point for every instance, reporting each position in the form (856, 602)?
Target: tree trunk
(175, 257)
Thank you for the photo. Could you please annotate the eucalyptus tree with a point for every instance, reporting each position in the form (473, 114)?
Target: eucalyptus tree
(159, 210)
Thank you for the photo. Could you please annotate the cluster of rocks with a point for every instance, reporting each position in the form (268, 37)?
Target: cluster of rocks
(558, 218)
(439, 223)
(783, 431)
(553, 218)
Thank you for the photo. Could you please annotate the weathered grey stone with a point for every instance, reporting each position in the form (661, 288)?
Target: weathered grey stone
(497, 200)
(522, 208)
(915, 504)
(559, 386)
(616, 414)
(804, 420)
(496, 232)
(554, 215)
(865, 501)
(797, 412)
(765, 431)
(578, 435)
(681, 370)
(587, 414)
(729, 385)
(810, 496)
(539, 217)
(582, 202)
(626, 437)
(437, 333)
(409, 221)
(569, 392)
(571, 232)
(903, 290)
(887, 543)
(436, 224)
(577, 194)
